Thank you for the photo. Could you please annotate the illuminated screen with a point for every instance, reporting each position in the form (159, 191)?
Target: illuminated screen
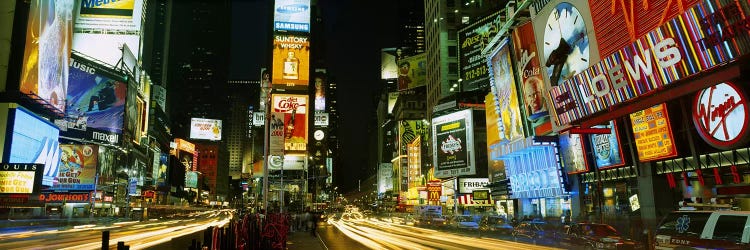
(571, 149)
(534, 172)
(293, 108)
(35, 140)
(20, 178)
(472, 40)
(453, 140)
(291, 61)
(606, 147)
(47, 51)
(653, 133)
(506, 100)
(412, 71)
(102, 27)
(292, 15)
(205, 129)
(96, 104)
(77, 169)
(320, 91)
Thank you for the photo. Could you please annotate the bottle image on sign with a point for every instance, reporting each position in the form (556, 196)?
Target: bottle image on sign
(291, 67)
(290, 126)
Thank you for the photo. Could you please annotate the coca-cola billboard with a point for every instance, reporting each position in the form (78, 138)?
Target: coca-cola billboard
(294, 111)
(720, 115)
(453, 137)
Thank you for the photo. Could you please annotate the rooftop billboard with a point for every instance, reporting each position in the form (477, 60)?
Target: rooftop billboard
(205, 129)
(291, 15)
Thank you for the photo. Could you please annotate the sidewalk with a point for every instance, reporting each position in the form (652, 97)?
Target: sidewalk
(303, 240)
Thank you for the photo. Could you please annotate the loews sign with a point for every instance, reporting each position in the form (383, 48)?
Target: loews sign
(720, 115)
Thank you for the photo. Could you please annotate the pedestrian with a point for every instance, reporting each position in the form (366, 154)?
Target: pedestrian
(307, 219)
(314, 221)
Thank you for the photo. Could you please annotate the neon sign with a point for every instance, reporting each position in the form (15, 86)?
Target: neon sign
(720, 115)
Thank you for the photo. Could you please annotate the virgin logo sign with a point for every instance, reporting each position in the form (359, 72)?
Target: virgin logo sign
(720, 115)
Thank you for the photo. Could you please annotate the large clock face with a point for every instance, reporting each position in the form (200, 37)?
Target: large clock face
(566, 43)
(318, 135)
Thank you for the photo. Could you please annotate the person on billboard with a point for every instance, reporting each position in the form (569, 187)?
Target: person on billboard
(404, 80)
(534, 99)
(104, 98)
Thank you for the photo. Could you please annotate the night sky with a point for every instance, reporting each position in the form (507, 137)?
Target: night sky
(355, 33)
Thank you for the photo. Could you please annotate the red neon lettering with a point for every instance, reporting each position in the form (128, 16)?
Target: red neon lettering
(708, 112)
(670, 180)
(735, 175)
(717, 176)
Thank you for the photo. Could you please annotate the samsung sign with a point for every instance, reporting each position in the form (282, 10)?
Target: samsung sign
(468, 185)
(292, 15)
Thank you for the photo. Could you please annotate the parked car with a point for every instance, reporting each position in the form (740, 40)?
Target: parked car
(464, 222)
(497, 224)
(704, 230)
(595, 236)
(530, 229)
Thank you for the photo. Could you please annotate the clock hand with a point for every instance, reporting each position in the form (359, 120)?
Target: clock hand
(558, 58)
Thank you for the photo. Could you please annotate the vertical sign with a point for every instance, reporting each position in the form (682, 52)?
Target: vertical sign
(472, 40)
(291, 61)
(528, 69)
(504, 88)
(606, 147)
(571, 147)
(292, 110)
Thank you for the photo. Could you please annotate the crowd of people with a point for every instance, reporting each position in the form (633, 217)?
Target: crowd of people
(306, 221)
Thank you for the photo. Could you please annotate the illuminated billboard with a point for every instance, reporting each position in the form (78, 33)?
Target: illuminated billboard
(385, 177)
(293, 112)
(96, 103)
(20, 178)
(291, 61)
(572, 151)
(495, 165)
(412, 71)
(191, 179)
(32, 140)
(103, 27)
(289, 162)
(534, 172)
(409, 131)
(692, 42)
(606, 147)
(653, 133)
(77, 170)
(453, 140)
(276, 136)
(720, 115)
(320, 89)
(528, 70)
(47, 52)
(414, 162)
(205, 129)
(291, 15)
(388, 63)
(472, 39)
(504, 88)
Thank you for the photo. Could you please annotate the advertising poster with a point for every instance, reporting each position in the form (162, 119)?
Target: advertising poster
(691, 42)
(412, 71)
(506, 100)
(276, 137)
(77, 170)
(191, 179)
(453, 137)
(103, 27)
(265, 87)
(293, 111)
(528, 69)
(47, 51)
(606, 147)
(320, 89)
(472, 39)
(20, 178)
(409, 131)
(161, 179)
(33, 140)
(205, 129)
(291, 61)
(571, 149)
(385, 177)
(653, 133)
(96, 104)
(496, 166)
(389, 63)
(291, 15)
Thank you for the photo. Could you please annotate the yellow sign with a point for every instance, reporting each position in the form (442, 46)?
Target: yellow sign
(653, 133)
(16, 182)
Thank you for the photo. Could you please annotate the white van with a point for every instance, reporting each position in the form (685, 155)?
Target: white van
(704, 230)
